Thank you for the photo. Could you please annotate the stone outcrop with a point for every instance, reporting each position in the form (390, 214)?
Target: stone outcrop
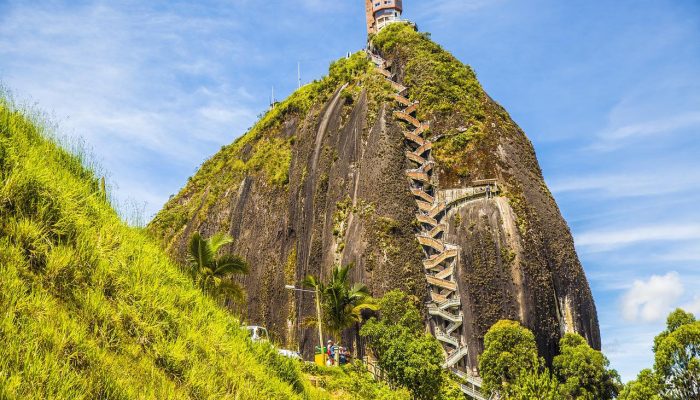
(365, 187)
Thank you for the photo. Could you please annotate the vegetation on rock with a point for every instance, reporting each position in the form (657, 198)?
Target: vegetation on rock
(448, 92)
(344, 156)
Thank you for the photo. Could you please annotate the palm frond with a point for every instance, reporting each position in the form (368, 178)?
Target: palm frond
(360, 290)
(230, 290)
(218, 240)
(340, 274)
(194, 246)
(230, 264)
(200, 251)
(312, 282)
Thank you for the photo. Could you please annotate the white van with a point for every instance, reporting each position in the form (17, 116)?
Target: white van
(257, 333)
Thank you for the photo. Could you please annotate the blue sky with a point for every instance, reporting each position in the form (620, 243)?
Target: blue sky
(608, 91)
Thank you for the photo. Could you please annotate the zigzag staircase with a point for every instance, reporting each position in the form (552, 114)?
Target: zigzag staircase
(445, 308)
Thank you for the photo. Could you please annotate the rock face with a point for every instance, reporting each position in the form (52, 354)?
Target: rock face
(321, 180)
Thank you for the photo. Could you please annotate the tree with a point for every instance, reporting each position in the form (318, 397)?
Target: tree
(214, 273)
(341, 303)
(646, 387)
(531, 385)
(509, 352)
(583, 371)
(678, 318)
(677, 357)
(410, 358)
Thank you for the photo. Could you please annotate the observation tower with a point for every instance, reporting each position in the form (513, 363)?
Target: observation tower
(381, 13)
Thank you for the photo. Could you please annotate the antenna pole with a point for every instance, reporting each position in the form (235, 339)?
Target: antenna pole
(299, 74)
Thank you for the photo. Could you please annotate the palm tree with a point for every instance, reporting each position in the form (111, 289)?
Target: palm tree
(213, 273)
(342, 303)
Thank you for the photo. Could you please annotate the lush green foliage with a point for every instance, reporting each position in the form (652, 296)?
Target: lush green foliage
(677, 357)
(353, 382)
(583, 371)
(410, 357)
(676, 373)
(91, 308)
(509, 352)
(510, 365)
(212, 273)
(646, 387)
(342, 303)
(272, 157)
(538, 384)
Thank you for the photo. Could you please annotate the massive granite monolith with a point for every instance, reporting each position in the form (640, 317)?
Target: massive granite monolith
(321, 180)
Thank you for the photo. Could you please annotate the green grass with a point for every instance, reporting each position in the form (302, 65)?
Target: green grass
(92, 308)
(353, 382)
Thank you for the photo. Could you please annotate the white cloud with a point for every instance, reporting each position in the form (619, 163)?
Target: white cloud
(613, 137)
(651, 300)
(655, 126)
(150, 89)
(607, 240)
(629, 185)
(654, 111)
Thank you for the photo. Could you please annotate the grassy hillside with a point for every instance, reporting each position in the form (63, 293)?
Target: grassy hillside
(90, 308)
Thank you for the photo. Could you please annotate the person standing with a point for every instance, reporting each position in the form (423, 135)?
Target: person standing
(329, 353)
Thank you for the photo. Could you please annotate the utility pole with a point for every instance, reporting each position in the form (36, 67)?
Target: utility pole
(318, 314)
(317, 293)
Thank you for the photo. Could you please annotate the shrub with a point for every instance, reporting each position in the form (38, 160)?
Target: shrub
(583, 371)
(509, 352)
(411, 358)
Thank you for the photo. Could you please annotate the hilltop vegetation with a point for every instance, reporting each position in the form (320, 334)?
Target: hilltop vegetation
(450, 96)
